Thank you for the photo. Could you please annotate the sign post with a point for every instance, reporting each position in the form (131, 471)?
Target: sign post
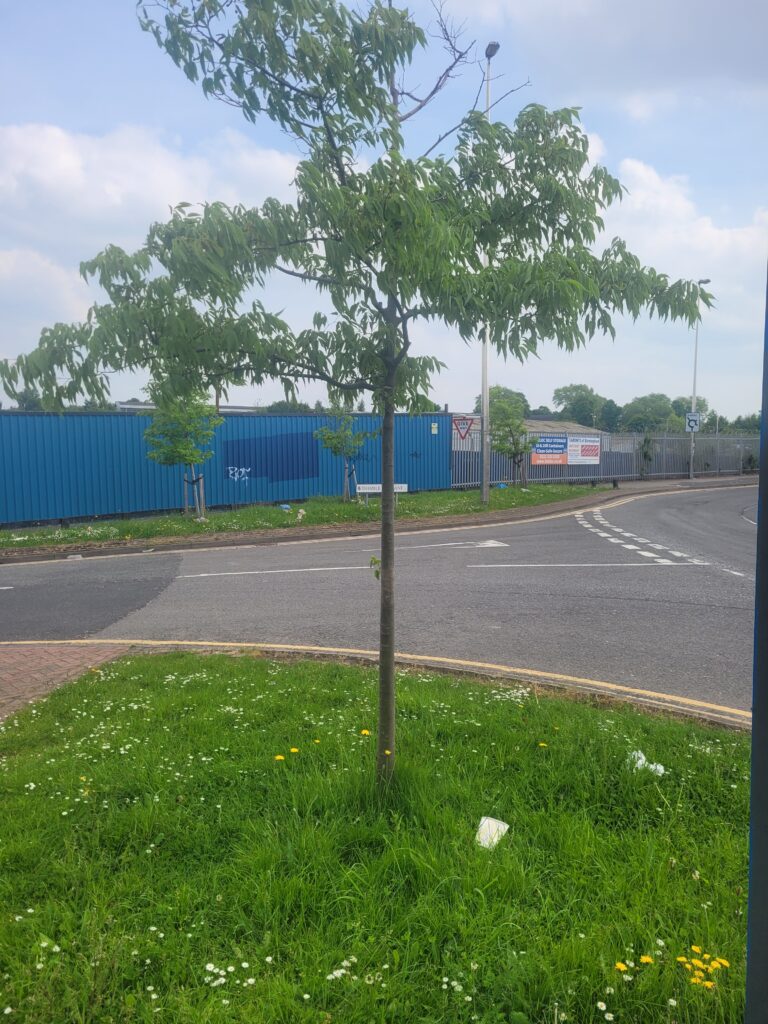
(692, 426)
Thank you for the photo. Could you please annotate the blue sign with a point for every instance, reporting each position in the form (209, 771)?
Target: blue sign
(551, 444)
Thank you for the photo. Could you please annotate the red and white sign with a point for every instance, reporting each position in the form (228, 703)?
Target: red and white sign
(583, 449)
(462, 425)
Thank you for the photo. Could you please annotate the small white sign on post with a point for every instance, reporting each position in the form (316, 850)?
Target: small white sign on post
(692, 422)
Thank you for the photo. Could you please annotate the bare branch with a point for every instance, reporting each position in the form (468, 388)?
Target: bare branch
(450, 34)
(456, 127)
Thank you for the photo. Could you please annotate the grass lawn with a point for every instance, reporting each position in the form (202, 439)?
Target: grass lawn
(159, 862)
(316, 511)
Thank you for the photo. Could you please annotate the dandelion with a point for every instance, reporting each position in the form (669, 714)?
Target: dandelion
(245, 965)
(387, 753)
(365, 732)
(294, 750)
(609, 1016)
(543, 744)
(723, 962)
(268, 959)
(696, 949)
(620, 966)
(279, 757)
(316, 741)
(708, 984)
(646, 959)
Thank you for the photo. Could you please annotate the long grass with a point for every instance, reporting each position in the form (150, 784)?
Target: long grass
(166, 855)
(314, 512)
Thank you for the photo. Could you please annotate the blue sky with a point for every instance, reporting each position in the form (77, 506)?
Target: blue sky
(100, 133)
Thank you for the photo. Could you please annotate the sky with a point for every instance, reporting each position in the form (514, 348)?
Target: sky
(100, 134)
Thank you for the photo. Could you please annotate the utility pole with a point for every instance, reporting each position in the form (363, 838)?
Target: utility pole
(485, 407)
(704, 280)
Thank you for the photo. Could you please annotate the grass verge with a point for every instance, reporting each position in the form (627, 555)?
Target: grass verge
(316, 512)
(198, 839)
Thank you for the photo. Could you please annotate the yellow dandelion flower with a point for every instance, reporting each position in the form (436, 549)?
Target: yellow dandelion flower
(708, 984)
(294, 750)
(696, 949)
(699, 975)
(714, 966)
(279, 757)
(687, 967)
(365, 732)
(697, 963)
(682, 959)
(543, 744)
(722, 962)
(646, 959)
(317, 741)
(620, 966)
(706, 956)
(387, 753)
(695, 980)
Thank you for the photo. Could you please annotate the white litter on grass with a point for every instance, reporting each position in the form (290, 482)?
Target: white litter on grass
(638, 760)
(490, 831)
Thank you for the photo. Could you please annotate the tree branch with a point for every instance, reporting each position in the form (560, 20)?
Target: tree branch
(456, 127)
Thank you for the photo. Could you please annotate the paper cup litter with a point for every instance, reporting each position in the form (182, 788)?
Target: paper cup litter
(490, 831)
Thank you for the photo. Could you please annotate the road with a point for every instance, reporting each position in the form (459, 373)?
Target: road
(656, 592)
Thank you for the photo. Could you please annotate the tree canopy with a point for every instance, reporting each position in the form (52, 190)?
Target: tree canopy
(491, 227)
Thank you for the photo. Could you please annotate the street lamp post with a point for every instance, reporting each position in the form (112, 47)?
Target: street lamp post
(485, 409)
(704, 280)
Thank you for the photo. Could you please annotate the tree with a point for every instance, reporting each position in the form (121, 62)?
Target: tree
(179, 435)
(541, 411)
(683, 404)
(289, 407)
(28, 400)
(498, 393)
(495, 234)
(579, 403)
(509, 436)
(746, 424)
(343, 441)
(610, 414)
(647, 413)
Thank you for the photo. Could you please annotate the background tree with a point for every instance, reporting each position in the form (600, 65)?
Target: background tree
(180, 434)
(289, 407)
(684, 404)
(646, 413)
(746, 424)
(343, 441)
(509, 436)
(28, 400)
(497, 393)
(579, 403)
(610, 414)
(542, 411)
(495, 234)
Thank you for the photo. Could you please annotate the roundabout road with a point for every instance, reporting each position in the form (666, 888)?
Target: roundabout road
(653, 592)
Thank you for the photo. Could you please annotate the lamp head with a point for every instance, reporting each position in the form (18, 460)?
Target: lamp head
(491, 50)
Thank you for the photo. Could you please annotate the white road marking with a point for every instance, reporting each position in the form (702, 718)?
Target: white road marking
(648, 554)
(748, 520)
(679, 554)
(631, 547)
(734, 573)
(272, 572)
(580, 565)
(6, 588)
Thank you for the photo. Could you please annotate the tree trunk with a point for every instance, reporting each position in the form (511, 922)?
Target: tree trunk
(385, 748)
(195, 492)
(523, 473)
(345, 489)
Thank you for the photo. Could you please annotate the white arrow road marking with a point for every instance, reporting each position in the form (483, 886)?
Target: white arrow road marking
(272, 572)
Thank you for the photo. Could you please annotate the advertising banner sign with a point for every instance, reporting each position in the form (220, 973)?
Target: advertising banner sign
(583, 449)
(550, 450)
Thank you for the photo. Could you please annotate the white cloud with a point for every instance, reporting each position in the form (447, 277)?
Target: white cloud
(65, 195)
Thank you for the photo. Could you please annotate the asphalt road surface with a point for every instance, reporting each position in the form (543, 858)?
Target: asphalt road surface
(656, 592)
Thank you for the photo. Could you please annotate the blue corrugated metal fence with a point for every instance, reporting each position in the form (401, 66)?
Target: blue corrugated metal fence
(95, 464)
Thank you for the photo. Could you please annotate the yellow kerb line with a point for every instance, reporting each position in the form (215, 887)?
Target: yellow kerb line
(512, 670)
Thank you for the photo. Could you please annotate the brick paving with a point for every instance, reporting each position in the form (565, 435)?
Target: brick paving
(30, 671)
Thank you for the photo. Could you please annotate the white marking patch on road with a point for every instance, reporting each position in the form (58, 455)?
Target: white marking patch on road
(272, 572)
(6, 588)
(583, 565)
